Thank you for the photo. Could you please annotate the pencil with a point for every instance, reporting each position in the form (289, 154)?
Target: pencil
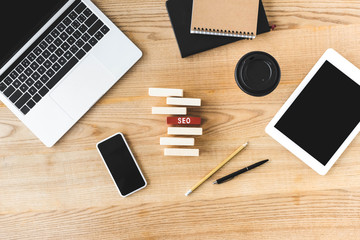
(217, 168)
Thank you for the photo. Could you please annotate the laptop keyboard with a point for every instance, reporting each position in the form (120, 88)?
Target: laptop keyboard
(57, 51)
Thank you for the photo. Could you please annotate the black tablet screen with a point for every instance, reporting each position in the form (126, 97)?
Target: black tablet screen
(324, 113)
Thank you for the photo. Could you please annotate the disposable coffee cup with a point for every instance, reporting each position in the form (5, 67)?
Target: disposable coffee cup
(257, 73)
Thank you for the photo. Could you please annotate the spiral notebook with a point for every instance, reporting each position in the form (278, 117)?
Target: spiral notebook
(180, 17)
(232, 18)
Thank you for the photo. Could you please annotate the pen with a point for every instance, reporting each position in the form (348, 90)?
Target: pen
(234, 174)
(217, 168)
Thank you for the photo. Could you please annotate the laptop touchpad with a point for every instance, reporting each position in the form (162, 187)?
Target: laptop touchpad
(83, 87)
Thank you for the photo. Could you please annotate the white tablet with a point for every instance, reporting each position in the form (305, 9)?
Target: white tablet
(322, 116)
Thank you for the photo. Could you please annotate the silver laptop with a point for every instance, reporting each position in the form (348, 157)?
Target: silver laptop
(57, 58)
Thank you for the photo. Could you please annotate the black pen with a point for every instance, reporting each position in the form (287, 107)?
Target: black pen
(234, 174)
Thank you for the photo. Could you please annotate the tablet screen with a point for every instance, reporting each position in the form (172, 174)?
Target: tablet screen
(324, 113)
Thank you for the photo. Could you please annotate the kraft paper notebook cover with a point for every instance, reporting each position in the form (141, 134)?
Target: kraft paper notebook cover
(233, 18)
(180, 17)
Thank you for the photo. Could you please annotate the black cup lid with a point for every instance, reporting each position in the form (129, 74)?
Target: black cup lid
(257, 73)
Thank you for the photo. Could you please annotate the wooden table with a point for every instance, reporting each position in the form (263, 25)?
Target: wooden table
(65, 192)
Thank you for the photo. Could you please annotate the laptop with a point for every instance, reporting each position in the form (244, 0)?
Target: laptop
(57, 58)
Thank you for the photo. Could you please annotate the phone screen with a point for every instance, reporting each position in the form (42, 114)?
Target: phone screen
(121, 164)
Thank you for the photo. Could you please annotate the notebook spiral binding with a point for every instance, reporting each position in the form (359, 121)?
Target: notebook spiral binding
(220, 32)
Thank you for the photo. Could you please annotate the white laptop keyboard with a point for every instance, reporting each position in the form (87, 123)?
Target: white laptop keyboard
(51, 56)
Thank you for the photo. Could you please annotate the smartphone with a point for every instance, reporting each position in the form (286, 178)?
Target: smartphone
(121, 164)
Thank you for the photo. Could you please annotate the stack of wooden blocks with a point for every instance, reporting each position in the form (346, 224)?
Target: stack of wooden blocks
(184, 125)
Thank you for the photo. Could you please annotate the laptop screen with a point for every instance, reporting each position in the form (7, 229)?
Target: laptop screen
(20, 20)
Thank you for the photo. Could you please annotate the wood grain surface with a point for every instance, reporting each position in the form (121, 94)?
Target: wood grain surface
(65, 192)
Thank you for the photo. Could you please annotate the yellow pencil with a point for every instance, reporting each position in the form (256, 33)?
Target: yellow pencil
(217, 168)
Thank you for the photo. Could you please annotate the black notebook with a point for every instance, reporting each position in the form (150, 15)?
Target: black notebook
(180, 16)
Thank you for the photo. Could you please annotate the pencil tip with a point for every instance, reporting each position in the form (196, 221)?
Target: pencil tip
(215, 182)
(188, 192)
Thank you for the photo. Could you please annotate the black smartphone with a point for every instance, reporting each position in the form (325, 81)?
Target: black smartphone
(121, 164)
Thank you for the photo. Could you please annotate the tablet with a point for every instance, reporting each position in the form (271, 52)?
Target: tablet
(322, 116)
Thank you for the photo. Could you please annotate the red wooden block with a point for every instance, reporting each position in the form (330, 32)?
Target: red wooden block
(184, 120)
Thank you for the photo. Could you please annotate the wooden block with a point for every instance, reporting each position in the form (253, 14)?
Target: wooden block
(169, 110)
(184, 131)
(183, 120)
(165, 92)
(181, 152)
(173, 141)
(183, 101)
